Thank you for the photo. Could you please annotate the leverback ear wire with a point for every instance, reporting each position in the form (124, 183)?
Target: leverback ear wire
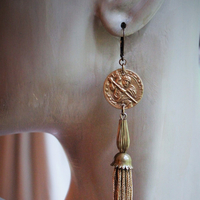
(123, 26)
(122, 61)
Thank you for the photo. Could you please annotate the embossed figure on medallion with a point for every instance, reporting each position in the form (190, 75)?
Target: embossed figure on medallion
(123, 88)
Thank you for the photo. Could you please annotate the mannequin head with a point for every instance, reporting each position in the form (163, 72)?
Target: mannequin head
(49, 55)
(55, 56)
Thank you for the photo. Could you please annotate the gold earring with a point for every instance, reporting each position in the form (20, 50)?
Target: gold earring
(123, 89)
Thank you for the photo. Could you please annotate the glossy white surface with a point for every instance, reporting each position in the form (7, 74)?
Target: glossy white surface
(135, 13)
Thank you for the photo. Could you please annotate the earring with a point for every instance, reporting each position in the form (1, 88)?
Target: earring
(123, 89)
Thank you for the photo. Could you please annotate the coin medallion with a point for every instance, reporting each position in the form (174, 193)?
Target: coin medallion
(123, 88)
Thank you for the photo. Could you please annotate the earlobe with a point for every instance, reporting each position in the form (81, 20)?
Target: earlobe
(135, 13)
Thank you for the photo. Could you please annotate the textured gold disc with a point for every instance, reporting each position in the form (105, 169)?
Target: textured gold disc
(123, 88)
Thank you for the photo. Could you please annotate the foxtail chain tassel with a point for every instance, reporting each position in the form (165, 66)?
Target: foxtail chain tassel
(122, 176)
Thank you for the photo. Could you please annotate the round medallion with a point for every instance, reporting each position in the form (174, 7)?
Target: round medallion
(123, 88)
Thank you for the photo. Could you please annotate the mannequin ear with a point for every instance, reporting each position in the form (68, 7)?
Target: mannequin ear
(135, 13)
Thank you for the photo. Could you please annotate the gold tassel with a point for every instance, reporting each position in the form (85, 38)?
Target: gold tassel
(122, 176)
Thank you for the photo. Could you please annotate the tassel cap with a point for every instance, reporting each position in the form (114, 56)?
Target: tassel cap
(122, 160)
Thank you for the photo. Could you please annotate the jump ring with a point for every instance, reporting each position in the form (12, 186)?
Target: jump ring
(122, 62)
(123, 116)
